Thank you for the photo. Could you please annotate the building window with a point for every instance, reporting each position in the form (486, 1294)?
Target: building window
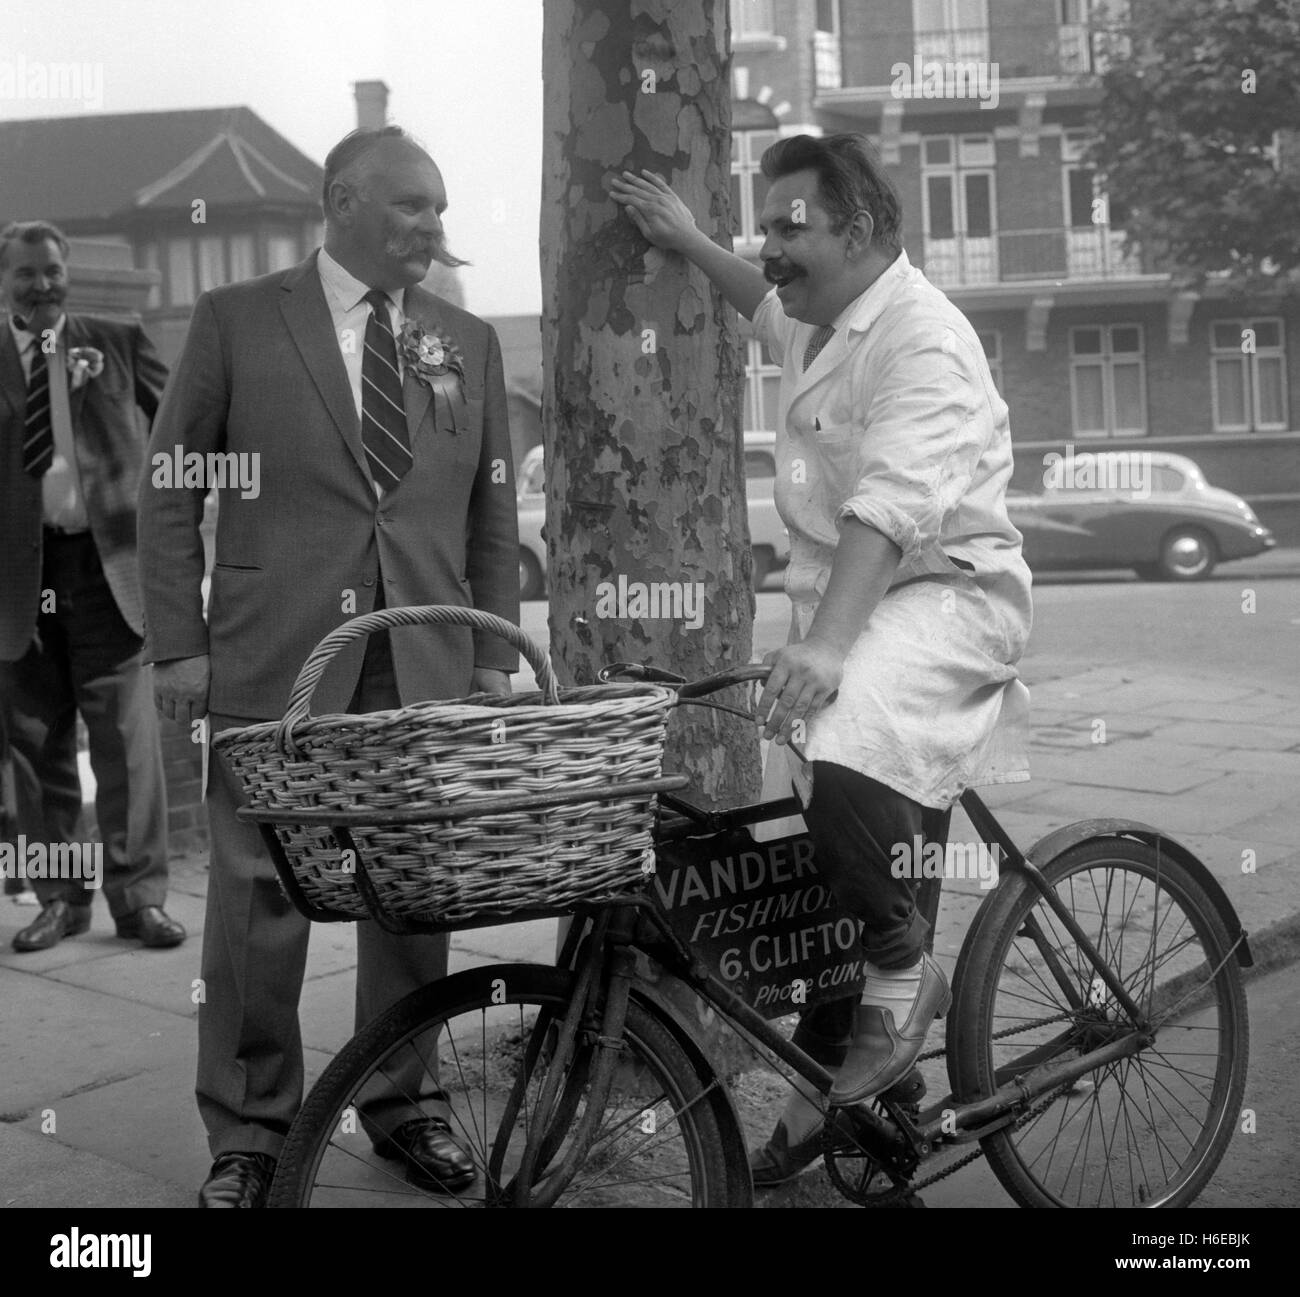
(1090, 33)
(991, 341)
(1094, 224)
(243, 257)
(180, 272)
(753, 19)
(762, 389)
(748, 184)
(1248, 375)
(281, 251)
(1108, 381)
(212, 262)
(958, 209)
(149, 261)
(951, 31)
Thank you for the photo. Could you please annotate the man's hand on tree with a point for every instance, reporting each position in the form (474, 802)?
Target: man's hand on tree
(180, 688)
(659, 214)
(803, 677)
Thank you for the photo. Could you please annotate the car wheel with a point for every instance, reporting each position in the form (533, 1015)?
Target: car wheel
(532, 584)
(763, 559)
(1187, 554)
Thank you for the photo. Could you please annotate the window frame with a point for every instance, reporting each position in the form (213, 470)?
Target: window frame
(1250, 366)
(1105, 360)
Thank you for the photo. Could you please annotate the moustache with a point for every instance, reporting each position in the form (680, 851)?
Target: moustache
(435, 251)
(775, 271)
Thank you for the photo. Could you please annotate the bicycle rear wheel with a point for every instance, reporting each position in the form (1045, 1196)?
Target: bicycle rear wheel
(662, 1140)
(1147, 1130)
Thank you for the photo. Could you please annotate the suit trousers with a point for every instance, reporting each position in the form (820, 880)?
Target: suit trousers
(250, 1066)
(86, 659)
(854, 822)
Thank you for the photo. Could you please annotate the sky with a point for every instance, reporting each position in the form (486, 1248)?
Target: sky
(463, 75)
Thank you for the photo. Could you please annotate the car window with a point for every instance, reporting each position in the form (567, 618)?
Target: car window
(1164, 478)
(533, 480)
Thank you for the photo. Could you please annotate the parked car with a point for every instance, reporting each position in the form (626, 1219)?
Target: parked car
(767, 534)
(1147, 510)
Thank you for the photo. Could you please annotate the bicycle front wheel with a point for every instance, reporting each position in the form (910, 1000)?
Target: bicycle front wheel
(1149, 1129)
(477, 1049)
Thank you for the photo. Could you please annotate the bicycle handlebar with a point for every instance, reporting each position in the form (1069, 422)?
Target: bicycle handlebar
(685, 688)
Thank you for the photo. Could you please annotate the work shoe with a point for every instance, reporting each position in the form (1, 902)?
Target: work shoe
(778, 1160)
(882, 1052)
(57, 920)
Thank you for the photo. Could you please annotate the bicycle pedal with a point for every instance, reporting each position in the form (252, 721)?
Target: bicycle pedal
(907, 1092)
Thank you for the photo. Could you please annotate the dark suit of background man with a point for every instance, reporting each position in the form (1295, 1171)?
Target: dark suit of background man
(372, 491)
(71, 453)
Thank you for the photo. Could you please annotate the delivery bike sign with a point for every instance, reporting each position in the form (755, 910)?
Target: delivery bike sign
(760, 917)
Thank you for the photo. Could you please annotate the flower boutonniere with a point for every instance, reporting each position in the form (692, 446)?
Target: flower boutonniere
(432, 356)
(84, 363)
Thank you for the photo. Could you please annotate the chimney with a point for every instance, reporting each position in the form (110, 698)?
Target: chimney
(372, 104)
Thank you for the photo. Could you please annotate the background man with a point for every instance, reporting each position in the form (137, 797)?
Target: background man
(70, 607)
(910, 595)
(374, 490)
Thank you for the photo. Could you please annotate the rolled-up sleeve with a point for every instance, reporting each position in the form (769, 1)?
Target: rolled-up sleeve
(927, 421)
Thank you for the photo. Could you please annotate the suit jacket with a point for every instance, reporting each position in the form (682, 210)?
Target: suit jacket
(261, 374)
(110, 443)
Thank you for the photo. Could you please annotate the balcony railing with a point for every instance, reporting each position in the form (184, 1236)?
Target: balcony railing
(1090, 252)
(1026, 50)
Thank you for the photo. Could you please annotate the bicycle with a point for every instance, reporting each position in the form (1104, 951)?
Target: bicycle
(1096, 1046)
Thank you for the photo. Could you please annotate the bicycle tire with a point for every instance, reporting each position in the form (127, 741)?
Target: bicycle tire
(987, 969)
(697, 1102)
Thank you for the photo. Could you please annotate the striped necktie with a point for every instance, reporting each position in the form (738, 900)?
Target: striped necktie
(816, 343)
(383, 415)
(38, 431)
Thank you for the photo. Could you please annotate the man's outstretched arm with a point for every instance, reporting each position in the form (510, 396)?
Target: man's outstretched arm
(667, 222)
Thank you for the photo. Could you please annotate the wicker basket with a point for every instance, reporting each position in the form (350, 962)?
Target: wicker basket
(434, 754)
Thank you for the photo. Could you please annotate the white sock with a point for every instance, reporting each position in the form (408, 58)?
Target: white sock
(892, 988)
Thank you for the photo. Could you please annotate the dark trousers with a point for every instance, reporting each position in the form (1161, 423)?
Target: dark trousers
(855, 822)
(250, 1065)
(86, 659)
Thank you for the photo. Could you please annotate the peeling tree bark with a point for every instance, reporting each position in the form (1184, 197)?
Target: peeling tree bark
(643, 368)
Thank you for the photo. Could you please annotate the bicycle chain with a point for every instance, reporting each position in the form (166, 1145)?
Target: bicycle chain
(893, 1195)
(890, 1196)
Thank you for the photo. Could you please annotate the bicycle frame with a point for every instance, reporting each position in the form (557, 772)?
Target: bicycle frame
(602, 950)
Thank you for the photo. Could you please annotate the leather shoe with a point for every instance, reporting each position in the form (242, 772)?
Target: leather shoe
(151, 926)
(881, 1052)
(238, 1180)
(57, 920)
(779, 1160)
(433, 1158)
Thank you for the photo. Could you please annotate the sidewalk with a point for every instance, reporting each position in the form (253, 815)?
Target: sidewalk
(96, 1089)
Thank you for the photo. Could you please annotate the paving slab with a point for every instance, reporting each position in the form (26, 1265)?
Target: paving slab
(1221, 735)
(39, 1171)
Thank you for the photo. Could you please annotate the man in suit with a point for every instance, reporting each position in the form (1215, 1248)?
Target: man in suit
(70, 606)
(375, 490)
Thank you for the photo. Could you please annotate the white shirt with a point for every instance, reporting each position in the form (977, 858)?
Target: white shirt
(62, 502)
(897, 423)
(346, 296)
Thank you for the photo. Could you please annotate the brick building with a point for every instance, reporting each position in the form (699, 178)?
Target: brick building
(1088, 343)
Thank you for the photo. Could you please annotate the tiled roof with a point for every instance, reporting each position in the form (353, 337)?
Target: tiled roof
(95, 168)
